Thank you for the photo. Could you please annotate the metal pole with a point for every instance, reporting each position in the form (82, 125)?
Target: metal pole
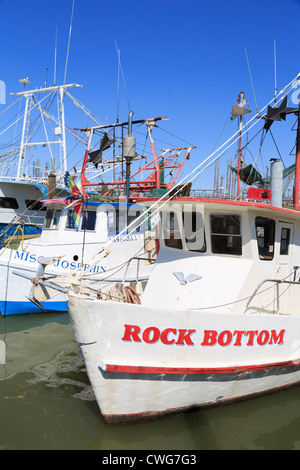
(128, 163)
(239, 157)
(23, 145)
(62, 113)
(297, 167)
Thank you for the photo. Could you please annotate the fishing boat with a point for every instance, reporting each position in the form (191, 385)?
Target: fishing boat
(218, 320)
(86, 232)
(35, 160)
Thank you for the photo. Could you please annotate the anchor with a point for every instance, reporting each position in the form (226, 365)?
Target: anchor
(39, 291)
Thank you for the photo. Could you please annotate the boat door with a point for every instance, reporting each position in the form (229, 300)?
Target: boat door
(285, 269)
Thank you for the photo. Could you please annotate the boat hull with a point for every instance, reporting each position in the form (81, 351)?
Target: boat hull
(16, 290)
(146, 362)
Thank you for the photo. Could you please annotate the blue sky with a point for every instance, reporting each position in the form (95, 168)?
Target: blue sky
(185, 60)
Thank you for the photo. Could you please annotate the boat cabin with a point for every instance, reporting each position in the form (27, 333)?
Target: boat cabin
(101, 220)
(215, 254)
(108, 238)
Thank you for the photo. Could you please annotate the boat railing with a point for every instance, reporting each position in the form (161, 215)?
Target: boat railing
(275, 281)
(147, 259)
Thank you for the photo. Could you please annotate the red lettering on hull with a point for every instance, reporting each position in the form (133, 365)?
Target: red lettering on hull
(182, 336)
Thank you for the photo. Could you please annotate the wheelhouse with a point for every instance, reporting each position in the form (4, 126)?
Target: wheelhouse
(109, 219)
(225, 229)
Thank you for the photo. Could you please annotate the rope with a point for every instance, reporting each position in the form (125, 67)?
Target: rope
(131, 296)
(127, 295)
(18, 229)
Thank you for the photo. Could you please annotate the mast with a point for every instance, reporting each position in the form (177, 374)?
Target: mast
(22, 147)
(62, 132)
(134, 186)
(34, 103)
(128, 151)
(150, 125)
(239, 156)
(297, 167)
(238, 110)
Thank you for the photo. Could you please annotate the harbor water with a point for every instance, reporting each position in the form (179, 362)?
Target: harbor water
(46, 403)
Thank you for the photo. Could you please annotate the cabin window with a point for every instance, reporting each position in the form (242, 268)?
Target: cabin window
(285, 241)
(226, 236)
(87, 220)
(119, 220)
(116, 221)
(112, 221)
(171, 230)
(194, 231)
(35, 205)
(70, 221)
(265, 235)
(137, 226)
(52, 218)
(9, 203)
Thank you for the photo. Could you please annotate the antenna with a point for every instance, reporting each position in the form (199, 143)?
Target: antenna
(55, 55)
(275, 71)
(120, 65)
(118, 94)
(24, 81)
(257, 110)
(67, 58)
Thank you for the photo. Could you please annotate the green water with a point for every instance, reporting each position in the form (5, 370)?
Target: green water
(46, 403)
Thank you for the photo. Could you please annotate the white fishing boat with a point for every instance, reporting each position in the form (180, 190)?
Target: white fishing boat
(218, 320)
(87, 232)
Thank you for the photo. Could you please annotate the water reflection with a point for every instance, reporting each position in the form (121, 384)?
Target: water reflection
(46, 402)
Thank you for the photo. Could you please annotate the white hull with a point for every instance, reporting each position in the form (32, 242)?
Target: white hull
(145, 362)
(64, 246)
(15, 290)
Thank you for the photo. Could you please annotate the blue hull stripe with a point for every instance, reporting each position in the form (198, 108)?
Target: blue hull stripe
(21, 308)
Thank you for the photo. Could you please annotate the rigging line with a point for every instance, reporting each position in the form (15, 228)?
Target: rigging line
(10, 105)
(255, 160)
(246, 145)
(243, 299)
(173, 135)
(14, 139)
(11, 119)
(162, 141)
(33, 105)
(198, 170)
(277, 147)
(67, 58)
(275, 73)
(264, 135)
(143, 151)
(221, 134)
(121, 68)
(257, 110)
(117, 268)
(118, 84)
(6, 129)
(46, 133)
(83, 108)
(42, 111)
